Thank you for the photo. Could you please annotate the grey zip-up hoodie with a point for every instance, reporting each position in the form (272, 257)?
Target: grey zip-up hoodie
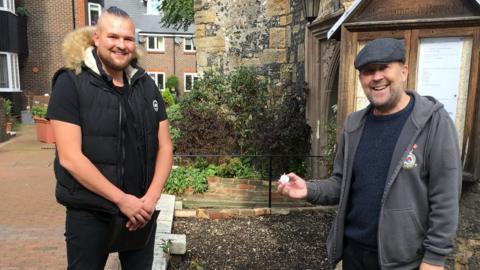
(420, 203)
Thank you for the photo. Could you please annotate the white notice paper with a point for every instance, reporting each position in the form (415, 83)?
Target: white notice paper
(439, 70)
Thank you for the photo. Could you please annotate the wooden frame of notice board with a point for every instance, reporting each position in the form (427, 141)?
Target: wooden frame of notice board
(443, 59)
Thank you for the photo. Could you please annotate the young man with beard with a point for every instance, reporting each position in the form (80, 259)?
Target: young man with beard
(114, 151)
(397, 173)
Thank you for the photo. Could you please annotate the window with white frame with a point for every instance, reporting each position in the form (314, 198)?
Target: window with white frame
(8, 5)
(189, 81)
(159, 78)
(155, 43)
(189, 45)
(153, 7)
(94, 12)
(9, 74)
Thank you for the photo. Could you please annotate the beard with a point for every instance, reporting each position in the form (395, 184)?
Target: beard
(387, 105)
(111, 64)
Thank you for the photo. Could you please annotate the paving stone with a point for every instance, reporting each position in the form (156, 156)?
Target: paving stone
(178, 205)
(186, 213)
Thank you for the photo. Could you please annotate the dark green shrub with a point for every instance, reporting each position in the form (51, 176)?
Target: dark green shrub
(174, 116)
(204, 132)
(172, 82)
(283, 130)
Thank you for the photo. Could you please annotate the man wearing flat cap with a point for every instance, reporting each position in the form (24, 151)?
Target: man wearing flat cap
(396, 176)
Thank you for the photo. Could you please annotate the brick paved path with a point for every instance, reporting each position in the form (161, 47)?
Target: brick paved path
(31, 222)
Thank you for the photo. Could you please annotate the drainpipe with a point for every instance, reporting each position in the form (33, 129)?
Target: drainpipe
(174, 63)
(73, 13)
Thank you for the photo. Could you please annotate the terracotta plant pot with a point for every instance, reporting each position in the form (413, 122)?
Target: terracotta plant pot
(8, 127)
(44, 130)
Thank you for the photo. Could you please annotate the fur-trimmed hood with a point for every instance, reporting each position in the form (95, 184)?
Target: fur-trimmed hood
(77, 49)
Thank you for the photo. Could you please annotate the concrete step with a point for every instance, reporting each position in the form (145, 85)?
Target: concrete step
(177, 242)
(163, 236)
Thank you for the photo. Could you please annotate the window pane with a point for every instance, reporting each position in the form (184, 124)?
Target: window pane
(94, 14)
(3, 71)
(2, 4)
(151, 42)
(160, 43)
(152, 75)
(188, 82)
(188, 44)
(16, 79)
(160, 81)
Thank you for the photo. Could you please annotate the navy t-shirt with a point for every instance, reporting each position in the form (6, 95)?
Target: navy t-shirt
(64, 106)
(369, 174)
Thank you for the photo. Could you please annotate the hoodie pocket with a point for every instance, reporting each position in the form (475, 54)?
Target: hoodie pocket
(401, 236)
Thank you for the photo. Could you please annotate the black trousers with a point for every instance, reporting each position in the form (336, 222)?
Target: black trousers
(358, 257)
(86, 236)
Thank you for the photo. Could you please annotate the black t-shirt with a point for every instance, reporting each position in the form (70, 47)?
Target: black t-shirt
(64, 106)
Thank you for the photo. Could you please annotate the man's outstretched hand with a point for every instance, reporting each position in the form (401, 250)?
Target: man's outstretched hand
(295, 188)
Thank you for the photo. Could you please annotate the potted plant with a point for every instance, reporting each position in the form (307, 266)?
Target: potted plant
(8, 116)
(44, 128)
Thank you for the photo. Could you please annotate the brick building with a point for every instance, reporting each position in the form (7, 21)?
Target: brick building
(167, 51)
(13, 49)
(49, 21)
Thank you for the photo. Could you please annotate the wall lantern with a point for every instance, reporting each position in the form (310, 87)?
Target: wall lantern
(310, 9)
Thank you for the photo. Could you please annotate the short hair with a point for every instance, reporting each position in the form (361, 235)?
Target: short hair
(116, 11)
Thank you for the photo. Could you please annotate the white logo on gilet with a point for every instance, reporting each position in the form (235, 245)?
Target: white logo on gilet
(155, 105)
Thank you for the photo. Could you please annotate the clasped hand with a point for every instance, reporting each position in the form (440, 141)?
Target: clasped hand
(138, 211)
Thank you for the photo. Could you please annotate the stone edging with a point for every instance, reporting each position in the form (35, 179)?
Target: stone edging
(251, 212)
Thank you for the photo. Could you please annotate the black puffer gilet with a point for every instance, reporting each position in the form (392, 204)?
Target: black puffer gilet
(101, 118)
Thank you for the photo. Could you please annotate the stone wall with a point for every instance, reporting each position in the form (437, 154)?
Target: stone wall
(267, 34)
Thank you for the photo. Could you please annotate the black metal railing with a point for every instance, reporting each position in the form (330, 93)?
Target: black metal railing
(269, 166)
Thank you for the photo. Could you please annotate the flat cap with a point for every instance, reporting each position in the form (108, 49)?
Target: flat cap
(382, 50)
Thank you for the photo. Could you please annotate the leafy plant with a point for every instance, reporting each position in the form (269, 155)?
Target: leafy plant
(167, 97)
(22, 11)
(39, 110)
(236, 168)
(182, 178)
(177, 13)
(166, 246)
(8, 108)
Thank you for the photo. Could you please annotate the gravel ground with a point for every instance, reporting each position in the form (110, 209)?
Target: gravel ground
(293, 241)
